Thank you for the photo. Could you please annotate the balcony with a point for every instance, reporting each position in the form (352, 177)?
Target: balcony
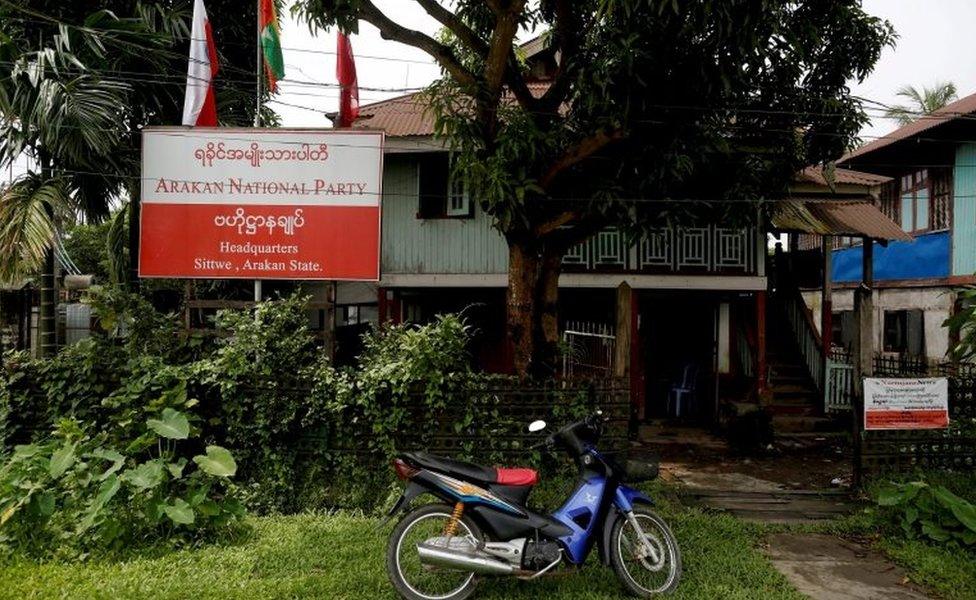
(708, 250)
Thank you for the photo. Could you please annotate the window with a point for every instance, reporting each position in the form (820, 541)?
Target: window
(904, 332)
(924, 202)
(915, 201)
(441, 194)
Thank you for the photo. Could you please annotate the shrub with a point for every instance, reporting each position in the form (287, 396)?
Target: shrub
(72, 494)
(931, 511)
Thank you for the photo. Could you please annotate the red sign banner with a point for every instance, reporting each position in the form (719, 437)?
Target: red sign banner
(261, 204)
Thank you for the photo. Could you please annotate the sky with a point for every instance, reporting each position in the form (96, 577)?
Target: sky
(936, 43)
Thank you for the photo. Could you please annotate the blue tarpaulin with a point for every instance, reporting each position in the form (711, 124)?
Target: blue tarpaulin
(925, 257)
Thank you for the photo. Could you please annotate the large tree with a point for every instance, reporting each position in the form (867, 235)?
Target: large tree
(651, 103)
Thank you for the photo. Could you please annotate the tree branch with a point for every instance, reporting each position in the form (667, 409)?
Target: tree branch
(581, 151)
(456, 25)
(568, 28)
(443, 54)
(555, 223)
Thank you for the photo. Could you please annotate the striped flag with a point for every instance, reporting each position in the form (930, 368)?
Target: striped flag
(199, 107)
(274, 63)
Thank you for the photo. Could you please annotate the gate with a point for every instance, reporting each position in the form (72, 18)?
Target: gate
(588, 349)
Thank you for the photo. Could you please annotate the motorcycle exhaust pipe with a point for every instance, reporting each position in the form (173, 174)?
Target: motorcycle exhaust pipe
(462, 561)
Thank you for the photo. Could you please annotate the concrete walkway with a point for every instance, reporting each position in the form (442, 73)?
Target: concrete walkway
(754, 499)
(828, 568)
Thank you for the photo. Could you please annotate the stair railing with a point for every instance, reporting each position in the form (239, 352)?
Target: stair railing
(800, 320)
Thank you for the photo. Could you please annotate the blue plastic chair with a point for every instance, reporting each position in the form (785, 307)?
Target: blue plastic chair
(683, 395)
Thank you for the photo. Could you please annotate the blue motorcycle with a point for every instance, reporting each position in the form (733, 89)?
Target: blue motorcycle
(482, 527)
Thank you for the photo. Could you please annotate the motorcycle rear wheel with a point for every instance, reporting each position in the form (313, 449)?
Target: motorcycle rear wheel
(642, 576)
(414, 581)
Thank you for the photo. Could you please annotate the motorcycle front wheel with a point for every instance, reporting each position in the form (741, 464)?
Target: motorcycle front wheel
(414, 580)
(645, 575)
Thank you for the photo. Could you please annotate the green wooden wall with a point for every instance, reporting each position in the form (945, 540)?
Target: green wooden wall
(412, 245)
(964, 211)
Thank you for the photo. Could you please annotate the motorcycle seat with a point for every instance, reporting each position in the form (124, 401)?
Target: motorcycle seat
(472, 472)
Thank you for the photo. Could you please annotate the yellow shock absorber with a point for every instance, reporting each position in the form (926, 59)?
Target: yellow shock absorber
(451, 528)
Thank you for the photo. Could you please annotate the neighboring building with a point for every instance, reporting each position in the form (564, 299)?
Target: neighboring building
(929, 188)
(695, 300)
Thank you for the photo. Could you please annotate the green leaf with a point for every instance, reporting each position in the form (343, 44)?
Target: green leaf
(61, 460)
(45, 504)
(179, 512)
(218, 462)
(146, 476)
(962, 510)
(934, 531)
(176, 468)
(26, 450)
(890, 496)
(107, 490)
(173, 425)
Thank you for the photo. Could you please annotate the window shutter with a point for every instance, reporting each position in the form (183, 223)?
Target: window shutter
(433, 185)
(916, 333)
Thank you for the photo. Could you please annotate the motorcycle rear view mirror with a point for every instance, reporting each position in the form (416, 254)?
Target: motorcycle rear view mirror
(535, 426)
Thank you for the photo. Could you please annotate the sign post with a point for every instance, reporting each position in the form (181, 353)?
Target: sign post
(261, 204)
(891, 404)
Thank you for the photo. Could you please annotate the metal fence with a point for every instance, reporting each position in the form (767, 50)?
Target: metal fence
(589, 349)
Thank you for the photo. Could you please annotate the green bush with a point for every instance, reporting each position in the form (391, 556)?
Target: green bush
(305, 433)
(72, 493)
(931, 511)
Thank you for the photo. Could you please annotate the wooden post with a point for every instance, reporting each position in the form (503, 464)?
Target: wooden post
(826, 307)
(760, 342)
(864, 353)
(621, 358)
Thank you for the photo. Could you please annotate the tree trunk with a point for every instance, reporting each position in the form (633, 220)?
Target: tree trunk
(532, 303)
(46, 323)
(135, 209)
(47, 335)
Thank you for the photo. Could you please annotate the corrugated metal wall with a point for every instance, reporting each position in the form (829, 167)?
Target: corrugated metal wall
(412, 245)
(964, 211)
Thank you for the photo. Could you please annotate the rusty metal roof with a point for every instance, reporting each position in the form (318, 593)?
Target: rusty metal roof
(816, 176)
(407, 115)
(960, 108)
(836, 217)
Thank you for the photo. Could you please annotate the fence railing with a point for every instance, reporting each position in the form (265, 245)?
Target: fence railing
(901, 450)
(838, 387)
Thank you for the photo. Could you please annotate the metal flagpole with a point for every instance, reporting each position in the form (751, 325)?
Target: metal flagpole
(257, 112)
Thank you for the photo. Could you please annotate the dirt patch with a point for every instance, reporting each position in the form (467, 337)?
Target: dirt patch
(798, 462)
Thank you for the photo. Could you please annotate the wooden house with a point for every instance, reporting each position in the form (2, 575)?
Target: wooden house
(929, 189)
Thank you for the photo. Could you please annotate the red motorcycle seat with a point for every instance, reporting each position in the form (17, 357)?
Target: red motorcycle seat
(516, 476)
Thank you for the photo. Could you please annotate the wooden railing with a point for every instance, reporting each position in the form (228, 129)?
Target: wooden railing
(800, 320)
(685, 250)
(838, 387)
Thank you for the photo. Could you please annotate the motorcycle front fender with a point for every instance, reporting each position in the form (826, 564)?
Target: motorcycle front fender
(624, 500)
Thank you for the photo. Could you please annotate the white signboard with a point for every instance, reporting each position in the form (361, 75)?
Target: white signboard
(906, 403)
(261, 203)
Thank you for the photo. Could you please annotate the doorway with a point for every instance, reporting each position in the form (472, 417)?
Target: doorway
(678, 343)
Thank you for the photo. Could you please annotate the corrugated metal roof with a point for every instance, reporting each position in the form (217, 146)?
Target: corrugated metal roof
(961, 107)
(406, 116)
(841, 176)
(836, 217)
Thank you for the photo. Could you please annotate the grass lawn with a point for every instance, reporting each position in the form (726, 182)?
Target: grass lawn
(341, 556)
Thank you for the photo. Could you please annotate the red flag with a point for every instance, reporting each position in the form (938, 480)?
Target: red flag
(199, 107)
(348, 86)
